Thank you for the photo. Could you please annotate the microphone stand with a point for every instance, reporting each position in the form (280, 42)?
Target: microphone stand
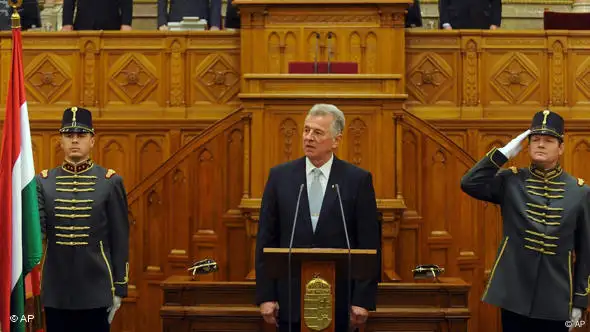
(329, 52)
(317, 50)
(349, 253)
(289, 255)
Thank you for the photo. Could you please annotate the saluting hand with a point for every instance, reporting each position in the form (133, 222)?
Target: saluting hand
(513, 147)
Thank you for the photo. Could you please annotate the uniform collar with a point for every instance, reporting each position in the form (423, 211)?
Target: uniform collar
(80, 167)
(546, 174)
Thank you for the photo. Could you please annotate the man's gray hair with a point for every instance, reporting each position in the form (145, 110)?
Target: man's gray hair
(339, 121)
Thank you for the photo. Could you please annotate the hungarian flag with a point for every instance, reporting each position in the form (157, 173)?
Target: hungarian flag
(20, 230)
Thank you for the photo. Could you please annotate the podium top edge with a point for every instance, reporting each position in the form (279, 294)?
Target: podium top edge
(330, 251)
(321, 2)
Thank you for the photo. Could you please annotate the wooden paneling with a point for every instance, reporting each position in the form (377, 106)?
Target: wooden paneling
(152, 93)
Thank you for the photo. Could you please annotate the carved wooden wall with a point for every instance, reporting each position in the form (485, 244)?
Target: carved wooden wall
(152, 94)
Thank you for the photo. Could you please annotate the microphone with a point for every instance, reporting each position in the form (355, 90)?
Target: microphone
(290, 249)
(349, 253)
(329, 52)
(317, 51)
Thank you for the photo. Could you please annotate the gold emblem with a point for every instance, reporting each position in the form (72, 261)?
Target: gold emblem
(545, 114)
(74, 110)
(317, 305)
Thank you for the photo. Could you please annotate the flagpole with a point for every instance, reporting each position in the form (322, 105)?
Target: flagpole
(38, 321)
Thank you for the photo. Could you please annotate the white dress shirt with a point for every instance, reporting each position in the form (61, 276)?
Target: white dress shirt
(325, 175)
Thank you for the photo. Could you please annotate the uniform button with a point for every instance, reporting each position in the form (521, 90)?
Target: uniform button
(542, 249)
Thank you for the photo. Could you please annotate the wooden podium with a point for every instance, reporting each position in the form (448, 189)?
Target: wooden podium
(319, 267)
(279, 42)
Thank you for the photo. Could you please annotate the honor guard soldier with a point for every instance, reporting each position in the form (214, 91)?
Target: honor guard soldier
(83, 209)
(535, 280)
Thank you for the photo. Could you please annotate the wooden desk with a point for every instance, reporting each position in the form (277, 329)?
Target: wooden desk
(220, 306)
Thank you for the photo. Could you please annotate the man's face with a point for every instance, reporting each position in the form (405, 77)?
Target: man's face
(545, 150)
(77, 146)
(318, 141)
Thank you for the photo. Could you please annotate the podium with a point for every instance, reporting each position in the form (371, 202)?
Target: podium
(319, 267)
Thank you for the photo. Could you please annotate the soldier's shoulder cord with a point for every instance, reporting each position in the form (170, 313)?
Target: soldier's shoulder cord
(44, 173)
(110, 173)
(580, 182)
(513, 169)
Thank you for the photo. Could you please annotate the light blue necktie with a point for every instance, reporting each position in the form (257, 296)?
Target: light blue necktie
(315, 197)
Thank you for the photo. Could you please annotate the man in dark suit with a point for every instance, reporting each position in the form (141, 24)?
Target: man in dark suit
(232, 17)
(175, 10)
(319, 222)
(414, 16)
(97, 15)
(470, 14)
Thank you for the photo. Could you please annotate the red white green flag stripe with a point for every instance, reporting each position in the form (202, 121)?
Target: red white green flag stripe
(20, 230)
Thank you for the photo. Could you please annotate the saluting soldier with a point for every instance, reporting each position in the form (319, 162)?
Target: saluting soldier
(83, 209)
(535, 279)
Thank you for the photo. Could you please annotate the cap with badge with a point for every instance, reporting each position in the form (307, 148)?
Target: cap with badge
(547, 123)
(76, 120)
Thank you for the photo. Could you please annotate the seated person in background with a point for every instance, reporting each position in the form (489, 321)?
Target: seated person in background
(30, 16)
(232, 17)
(97, 15)
(175, 10)
(414, 16)
(470, 14)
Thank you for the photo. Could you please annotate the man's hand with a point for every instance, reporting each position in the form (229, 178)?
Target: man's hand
(67, 28)
(112, 309)
(163, 27)
(270, 312)
(493, 27)
(214, 28)
(125, 27)
(513, 147)
(575, 317)
(358, 316)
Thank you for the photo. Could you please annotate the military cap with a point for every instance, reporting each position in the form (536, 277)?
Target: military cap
(76, 120)
(547, 123)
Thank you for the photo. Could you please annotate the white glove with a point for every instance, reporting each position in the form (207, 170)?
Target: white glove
(575, 317)
(513, 147)
(112, 309)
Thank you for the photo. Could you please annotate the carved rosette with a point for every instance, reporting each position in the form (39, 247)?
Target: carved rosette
(470, 88)
(48, 77)
(429, 78)
(556, 56)
(516, 79)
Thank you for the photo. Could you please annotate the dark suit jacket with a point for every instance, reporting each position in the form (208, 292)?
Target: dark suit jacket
(276, 220)
(181, 8)
(414, 16)
(232, 17)
(98, 14)
(470, 14)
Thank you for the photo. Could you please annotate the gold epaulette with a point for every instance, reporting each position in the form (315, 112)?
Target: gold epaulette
(580, 182)
(45, 173)
(110, 173)
(513, 169)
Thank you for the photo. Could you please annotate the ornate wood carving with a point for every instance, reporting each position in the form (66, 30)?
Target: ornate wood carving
(470, 75)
